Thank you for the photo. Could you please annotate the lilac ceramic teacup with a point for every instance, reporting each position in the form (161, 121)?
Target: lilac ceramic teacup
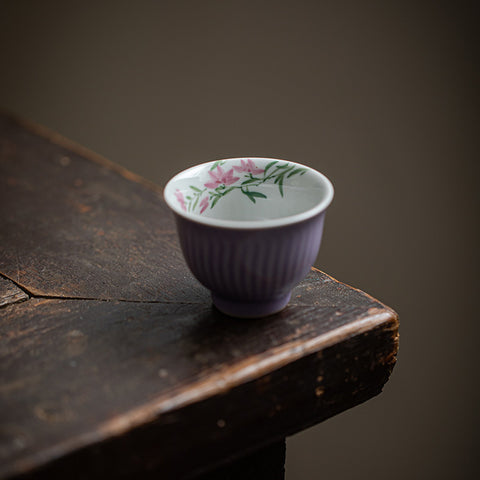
(249, 228)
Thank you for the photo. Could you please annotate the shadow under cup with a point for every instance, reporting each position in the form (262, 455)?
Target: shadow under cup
(251, 240)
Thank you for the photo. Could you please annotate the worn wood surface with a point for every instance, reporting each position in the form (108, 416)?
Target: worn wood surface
(116, 363)
(76, 228)
(10, 293)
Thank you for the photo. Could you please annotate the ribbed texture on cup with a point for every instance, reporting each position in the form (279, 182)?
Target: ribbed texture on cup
(250, 265)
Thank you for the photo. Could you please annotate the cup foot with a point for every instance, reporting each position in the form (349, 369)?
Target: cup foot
(256, 309)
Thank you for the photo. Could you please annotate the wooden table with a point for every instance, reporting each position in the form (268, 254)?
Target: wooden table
(113, 362)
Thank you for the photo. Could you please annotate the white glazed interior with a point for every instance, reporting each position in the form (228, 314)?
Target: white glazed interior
(248, 192)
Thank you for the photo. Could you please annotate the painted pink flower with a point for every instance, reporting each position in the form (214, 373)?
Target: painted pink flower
(221, 178)
(248, 166)
(180, 199)
(203, 204)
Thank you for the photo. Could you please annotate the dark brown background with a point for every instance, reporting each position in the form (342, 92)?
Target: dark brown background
(380, 96)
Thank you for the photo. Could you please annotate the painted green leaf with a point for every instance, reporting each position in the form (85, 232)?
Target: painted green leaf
(249, 195)
(215, 200)
(257, 194)
(268, 166)
(280, 184)
(297, 170)
(250, 180)
(195, 202)
(195, 189)
(218, 163)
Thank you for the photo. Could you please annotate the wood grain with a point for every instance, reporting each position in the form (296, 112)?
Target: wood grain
(71, 227)
(10, 293)
(117, 365)
(78, 373)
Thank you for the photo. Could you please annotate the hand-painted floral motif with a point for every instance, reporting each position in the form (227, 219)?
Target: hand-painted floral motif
(249, 167)
(180, 199)
(203, 204)
(219, 177)
(222, 182)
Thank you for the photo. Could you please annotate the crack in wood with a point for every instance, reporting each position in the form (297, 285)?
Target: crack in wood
(123, 300)
(31, 295)
(95, 299)
(10, 292)
(16, 283)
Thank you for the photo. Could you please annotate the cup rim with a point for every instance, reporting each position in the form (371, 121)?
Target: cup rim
(251, 224)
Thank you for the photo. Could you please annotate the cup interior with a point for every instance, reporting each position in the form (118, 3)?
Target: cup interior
(247, 191)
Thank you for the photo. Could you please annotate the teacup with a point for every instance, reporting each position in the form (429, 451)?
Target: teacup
(249, 228)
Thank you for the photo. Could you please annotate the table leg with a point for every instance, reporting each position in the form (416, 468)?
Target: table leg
(267, 463)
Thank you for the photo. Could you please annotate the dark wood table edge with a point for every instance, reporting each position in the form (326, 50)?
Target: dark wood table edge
(149, 413)
(145, 419)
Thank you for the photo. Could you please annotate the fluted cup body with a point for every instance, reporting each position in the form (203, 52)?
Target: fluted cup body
(258, 239)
